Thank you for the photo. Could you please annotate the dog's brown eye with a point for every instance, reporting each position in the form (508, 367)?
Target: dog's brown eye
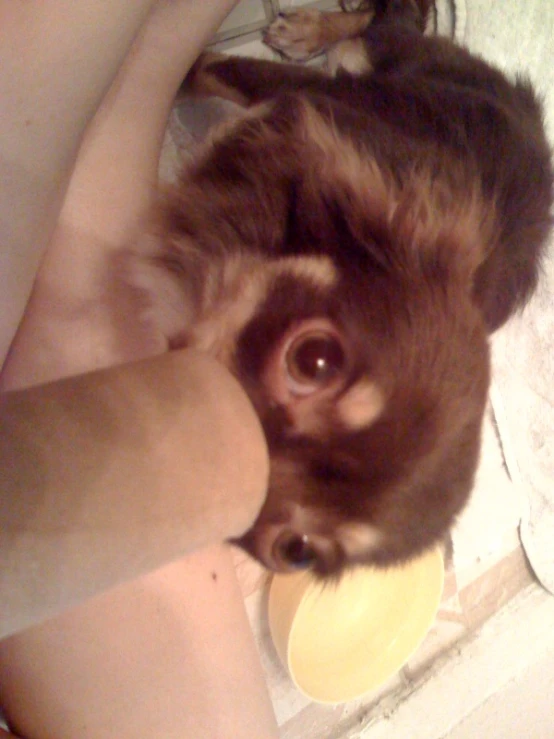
(314, 359)
(295, 551)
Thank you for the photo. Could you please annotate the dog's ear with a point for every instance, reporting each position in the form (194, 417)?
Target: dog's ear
(284, 180)
(352, 207)
(238, 192)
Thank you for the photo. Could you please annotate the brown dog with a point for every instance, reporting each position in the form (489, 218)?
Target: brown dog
(346, 248)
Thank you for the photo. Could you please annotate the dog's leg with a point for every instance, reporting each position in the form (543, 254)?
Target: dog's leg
(303, 34)
(247, 81)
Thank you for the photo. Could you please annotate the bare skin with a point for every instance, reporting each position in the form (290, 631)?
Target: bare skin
(89, 86)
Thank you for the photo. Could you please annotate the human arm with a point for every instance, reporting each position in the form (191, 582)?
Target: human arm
(110, 475)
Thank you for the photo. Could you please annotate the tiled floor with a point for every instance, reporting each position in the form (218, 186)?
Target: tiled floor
(489, 585)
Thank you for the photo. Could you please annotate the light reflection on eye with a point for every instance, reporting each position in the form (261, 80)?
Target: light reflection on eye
(313, 360)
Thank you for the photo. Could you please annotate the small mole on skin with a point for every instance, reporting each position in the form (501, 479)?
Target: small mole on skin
(214, 576)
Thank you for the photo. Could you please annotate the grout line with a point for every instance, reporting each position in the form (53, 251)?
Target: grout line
(464, 677)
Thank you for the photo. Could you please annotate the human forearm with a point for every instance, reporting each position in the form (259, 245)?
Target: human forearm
(110, 475)
(57, 61)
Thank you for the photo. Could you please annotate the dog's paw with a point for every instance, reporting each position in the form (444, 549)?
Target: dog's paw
(298, 34)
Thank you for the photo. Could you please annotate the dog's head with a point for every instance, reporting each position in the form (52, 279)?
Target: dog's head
(368, 364)
(341, 297)
(371, 394)
(370, 377)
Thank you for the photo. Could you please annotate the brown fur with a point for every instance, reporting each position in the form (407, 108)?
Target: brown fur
(420, 194)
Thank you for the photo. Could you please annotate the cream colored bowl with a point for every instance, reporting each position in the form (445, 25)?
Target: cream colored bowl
(339, 641)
